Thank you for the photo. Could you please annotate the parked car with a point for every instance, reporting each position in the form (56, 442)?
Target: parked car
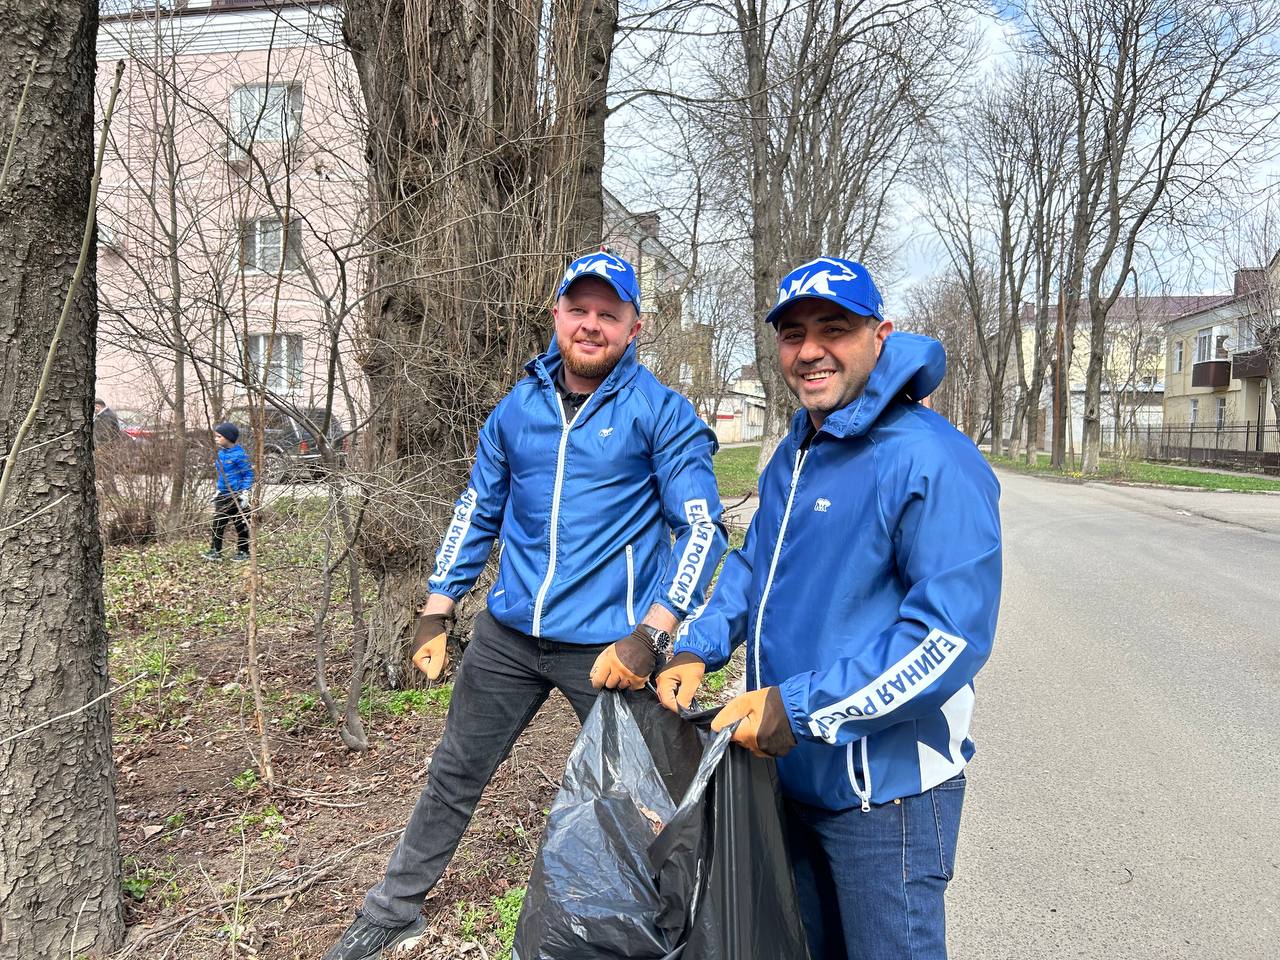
(291, 451)
(137, 426)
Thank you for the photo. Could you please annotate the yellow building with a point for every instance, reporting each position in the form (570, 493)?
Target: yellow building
(1217, 396)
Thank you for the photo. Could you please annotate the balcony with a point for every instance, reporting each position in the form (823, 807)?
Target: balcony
(1248, 363)
(1211, 373)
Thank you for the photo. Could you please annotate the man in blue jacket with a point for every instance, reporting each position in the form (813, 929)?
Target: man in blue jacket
(866, 592)
(231, 502)
(584, 472)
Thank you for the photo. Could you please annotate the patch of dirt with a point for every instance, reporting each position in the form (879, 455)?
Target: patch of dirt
(217, 865)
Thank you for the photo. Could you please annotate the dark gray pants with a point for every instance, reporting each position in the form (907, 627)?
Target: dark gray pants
(504, 677)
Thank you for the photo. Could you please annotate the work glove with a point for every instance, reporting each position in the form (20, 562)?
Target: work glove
(242, 499)
(677, 682)
(431, 644)
(765, 729)
(626, 664)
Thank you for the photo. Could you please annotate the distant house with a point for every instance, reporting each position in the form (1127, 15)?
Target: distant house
(1217, 394)
(1133, 374)
(198, 256)
(740, 414)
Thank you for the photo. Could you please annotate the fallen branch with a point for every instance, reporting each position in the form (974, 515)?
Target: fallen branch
(263, 892)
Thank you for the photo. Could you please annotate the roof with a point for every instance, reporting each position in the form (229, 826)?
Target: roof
(1160, 309)
(617, 211)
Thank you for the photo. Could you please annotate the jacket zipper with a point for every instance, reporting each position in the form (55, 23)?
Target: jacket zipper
(555, 512)
(777, 549)
(631, 586)
(863, 792)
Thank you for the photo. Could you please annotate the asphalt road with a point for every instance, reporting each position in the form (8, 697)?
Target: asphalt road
(1125, 799)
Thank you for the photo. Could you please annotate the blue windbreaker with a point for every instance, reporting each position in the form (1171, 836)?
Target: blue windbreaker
(235, 472)
(867, 590)
(587, 509)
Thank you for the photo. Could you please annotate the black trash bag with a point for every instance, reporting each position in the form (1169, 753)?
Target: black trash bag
(626, 872)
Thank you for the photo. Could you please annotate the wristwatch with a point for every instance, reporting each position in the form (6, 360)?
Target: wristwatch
(659, 640)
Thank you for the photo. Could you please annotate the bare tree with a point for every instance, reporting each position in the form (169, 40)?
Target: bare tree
(59, 854)
(484, 165)
(819, 106)
(1166, 98)
(939, 308)
(979, 192)
(228, 212)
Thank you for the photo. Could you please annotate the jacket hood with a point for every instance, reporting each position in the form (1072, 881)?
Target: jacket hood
(910, 366)
(547, 365)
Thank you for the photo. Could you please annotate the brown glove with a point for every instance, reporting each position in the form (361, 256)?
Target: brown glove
(765, 729)
(624, 665)
(431, 644)
(677, 682)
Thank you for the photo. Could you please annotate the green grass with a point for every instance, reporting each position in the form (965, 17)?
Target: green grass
(397, 703)
(1140, 471)
(508, 906)
(715, 681)
(736, 471)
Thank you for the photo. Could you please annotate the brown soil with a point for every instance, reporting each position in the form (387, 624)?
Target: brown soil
(211, 856)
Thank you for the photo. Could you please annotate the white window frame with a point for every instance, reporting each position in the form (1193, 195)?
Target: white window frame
(1204, 344)
(1220, 415)
(265, 113)
(1177, 356)
(260, 245)
(283, 375)
(1195, 409)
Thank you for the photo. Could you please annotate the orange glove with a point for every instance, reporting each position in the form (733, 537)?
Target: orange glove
(765, 729)
(677, 682)
(431, 644)
(620, 665)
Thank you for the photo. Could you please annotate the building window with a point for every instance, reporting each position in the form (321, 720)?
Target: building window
(1211, 343)
(260, 242)
(1203, 340)
(1177, 356)
(282, 372)
(1195, 409)
(266, 112)
(1222, 412)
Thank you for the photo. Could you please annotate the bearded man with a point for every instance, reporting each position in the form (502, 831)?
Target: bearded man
(587, 471)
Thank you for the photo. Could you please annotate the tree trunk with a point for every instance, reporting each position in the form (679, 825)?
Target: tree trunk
(59, 857)
(485, 179)
(1091, 436)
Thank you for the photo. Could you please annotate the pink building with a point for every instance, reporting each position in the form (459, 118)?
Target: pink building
(231, 209)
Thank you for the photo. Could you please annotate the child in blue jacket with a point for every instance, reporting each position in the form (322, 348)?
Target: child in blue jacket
(231, 503)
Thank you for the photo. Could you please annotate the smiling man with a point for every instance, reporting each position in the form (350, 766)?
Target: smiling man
(597, 479)
(866, 592)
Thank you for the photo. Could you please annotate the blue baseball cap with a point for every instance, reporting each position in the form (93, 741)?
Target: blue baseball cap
(842, 282)
(620, 275)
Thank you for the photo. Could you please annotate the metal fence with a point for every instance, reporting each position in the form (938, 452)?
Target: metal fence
(1247, 445)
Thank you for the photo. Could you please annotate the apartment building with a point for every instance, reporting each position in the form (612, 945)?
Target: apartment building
(230, 211)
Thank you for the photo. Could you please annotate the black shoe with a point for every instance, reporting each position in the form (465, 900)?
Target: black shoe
(365, 940)
(240, 557)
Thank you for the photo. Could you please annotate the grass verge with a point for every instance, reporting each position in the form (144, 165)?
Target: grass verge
(1140, 471)
(736, 471)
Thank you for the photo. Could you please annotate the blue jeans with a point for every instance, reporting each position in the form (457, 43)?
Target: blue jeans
(871, 885)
